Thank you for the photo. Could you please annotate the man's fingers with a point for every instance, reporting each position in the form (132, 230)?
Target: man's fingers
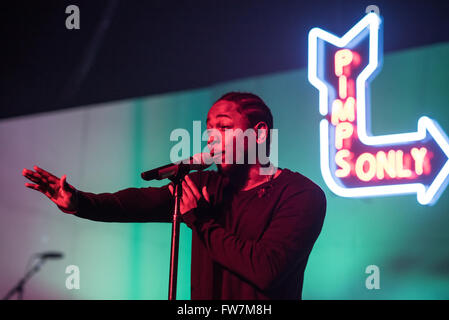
(46, 174)
(30, 173)
(36, 178)
(63, 183)
(193, 188)
(186, 191)
(40, 188)
(205, 194)
(31, 185)
(35, 187)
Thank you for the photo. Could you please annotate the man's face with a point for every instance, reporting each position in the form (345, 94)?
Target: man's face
(223, 116)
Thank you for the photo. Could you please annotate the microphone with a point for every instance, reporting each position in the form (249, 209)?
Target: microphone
(50, 255)
(199, 161)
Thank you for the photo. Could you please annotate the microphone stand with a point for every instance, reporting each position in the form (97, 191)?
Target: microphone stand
(177, 180)
(176, 174)
(19, 287)
(176, 177)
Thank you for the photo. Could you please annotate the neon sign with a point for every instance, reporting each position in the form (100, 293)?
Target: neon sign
(355, 163)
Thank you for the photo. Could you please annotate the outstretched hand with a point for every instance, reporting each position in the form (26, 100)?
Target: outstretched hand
(56, 189)
(190, 195)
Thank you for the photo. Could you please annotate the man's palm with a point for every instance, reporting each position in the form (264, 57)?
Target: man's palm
(56, 189)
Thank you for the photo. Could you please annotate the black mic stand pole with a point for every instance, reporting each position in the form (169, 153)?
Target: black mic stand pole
(20, 285)
(176, 174)
(177, 180)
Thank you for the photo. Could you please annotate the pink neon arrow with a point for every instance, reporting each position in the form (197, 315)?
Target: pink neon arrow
(428, 186)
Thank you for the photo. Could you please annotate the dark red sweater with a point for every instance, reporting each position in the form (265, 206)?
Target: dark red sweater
(251, 245)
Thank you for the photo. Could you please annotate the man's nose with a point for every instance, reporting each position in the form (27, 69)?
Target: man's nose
(214, 141)
(211, 142)
(213, 138)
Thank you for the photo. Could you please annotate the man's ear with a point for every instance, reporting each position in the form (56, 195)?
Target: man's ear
(261, 129)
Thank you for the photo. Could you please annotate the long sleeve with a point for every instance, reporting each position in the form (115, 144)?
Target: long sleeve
(128, 205)
(286, 242)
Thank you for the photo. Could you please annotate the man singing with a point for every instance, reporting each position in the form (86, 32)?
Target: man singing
(253, 225)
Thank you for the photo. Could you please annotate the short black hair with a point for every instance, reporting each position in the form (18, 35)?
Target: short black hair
(254, 109)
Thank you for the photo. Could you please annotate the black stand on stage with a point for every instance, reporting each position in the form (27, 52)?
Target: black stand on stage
(176, 173)
(175, 238)
(19, 287)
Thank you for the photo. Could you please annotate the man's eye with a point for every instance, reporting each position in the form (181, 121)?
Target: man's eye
(225, 127)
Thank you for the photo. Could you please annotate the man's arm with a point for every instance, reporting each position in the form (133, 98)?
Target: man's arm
(288, 240)
(128, 205)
